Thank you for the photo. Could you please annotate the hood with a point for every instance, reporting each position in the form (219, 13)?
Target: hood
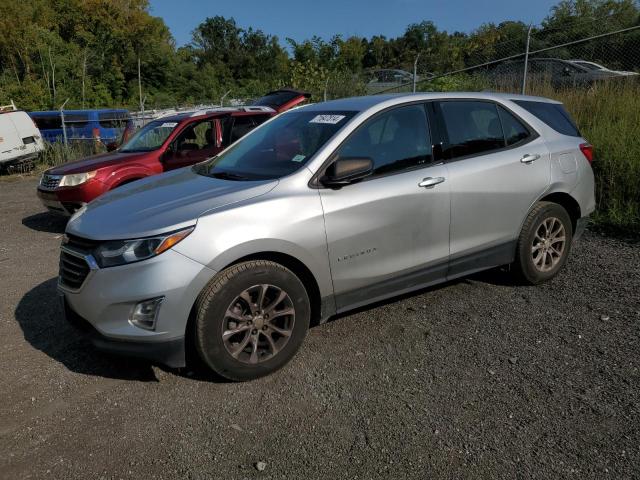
(159, 204)
(95, 162)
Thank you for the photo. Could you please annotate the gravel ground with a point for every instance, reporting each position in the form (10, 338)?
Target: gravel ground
(475, 379)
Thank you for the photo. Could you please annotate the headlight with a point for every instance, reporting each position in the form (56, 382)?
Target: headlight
(76, 179)
(119, 252)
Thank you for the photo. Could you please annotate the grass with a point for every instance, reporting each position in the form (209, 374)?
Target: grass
(608, 115)
(58, 153)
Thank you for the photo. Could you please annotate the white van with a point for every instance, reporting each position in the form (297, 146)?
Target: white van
(20, 139)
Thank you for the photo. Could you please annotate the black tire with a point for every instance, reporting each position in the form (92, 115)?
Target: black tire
(525, 262)
(220, 296)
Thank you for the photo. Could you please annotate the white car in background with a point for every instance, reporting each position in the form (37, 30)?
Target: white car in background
(20, 139)
(597, 66)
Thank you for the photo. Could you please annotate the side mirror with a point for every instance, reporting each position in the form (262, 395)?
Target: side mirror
(345, 171)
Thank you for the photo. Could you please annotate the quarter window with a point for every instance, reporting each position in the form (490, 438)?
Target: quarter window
(553, 114)
(472, 128)
(396, 140)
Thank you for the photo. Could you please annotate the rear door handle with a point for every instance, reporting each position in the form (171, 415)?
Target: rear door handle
(431, 182)
(528, 158)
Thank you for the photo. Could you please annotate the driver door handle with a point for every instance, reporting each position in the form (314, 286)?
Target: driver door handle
(528, 158)
(431, 182)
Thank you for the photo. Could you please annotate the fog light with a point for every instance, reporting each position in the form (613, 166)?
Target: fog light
(145, 313)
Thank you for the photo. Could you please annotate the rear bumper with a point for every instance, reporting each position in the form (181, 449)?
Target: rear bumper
(169, 352)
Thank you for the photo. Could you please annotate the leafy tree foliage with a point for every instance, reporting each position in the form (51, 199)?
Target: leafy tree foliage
(87, 51)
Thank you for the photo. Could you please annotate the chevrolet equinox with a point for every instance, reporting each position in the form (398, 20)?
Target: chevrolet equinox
(320, 210)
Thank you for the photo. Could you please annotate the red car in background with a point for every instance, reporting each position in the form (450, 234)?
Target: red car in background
(163, 144)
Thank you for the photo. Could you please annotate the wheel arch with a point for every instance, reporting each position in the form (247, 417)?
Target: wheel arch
(567, 202)
(299, 269)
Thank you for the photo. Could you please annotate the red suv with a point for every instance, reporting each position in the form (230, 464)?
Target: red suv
(164, 144)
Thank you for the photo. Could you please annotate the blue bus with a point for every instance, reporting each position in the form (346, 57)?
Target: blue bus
(81, 125)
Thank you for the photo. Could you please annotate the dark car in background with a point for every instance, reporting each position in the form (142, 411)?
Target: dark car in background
(167, 143)
(559, 73)
(107, 125)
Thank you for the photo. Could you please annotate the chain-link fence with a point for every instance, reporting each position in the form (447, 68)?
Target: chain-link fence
(539, 57)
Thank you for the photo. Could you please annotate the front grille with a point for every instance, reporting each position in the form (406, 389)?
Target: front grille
(74, 269)
(83, 245)
(50, 182)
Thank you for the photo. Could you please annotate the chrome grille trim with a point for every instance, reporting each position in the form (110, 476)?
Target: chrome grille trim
(75, 268)
(50, 182)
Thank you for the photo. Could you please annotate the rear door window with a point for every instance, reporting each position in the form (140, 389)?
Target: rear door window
(514, 130)
(553, 114)
(396, 140)
(472, 128)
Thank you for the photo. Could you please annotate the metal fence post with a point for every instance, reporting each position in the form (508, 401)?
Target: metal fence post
(415, 73)
(223, 97)
(526, 61)
(64, 128)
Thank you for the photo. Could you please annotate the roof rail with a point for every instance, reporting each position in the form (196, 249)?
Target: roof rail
(8, 108)
(257, 108)
(247, 108)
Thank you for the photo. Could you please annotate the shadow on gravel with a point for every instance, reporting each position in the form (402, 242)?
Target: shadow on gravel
(46, 222)
(496, 276)
(43, 325)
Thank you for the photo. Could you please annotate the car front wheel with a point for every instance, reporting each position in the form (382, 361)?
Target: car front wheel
(251, 319)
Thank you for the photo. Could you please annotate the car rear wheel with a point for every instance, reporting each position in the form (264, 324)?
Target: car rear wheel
(251, 319)
(544, 243)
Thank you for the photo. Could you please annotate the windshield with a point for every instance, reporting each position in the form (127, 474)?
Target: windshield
(277, 148)
(150, 137)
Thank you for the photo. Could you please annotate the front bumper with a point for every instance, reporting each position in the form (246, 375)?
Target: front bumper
(170, 353)
(108, 296)
(50, 200)
(67, 200)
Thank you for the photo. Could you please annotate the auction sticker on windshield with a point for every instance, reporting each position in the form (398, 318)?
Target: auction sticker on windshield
(331, 119)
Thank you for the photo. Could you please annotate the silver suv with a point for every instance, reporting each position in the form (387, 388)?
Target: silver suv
(320, 210)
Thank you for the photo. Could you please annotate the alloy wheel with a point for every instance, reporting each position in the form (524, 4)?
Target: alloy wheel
(258, 324)
(548, 244)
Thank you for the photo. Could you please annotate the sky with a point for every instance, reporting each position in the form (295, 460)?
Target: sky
(301, 19)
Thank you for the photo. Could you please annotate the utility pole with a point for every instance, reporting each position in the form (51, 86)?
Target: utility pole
(84, 73)
(526, 61)
(53, 76)
(326, 85)
(140, 85)
(415, 73)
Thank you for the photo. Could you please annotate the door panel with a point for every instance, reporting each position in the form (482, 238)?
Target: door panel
(491, 195)
(386, 235)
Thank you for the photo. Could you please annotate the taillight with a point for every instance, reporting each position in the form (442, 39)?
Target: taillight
(587, 151)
